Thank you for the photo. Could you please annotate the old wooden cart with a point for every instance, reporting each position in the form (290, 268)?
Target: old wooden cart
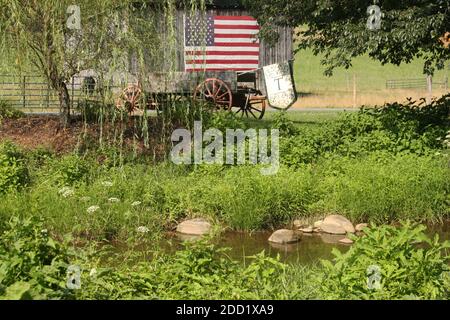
(238, 92)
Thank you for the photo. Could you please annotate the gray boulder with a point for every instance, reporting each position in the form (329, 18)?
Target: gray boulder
(197, 227)
(336, 219)
(284, 236)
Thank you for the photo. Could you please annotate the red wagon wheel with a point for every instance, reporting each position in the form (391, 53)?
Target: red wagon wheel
(129, 99)
(216, 92)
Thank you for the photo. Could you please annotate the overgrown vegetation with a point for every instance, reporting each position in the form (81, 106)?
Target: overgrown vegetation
(33, 265)
(394, 128)
(379, 165)
(13, 169)
(8, 112)
(390, 263)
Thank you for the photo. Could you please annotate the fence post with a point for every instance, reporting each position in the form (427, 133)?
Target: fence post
(73, 93)
(48, 96)
(430, 87)
(23, 91)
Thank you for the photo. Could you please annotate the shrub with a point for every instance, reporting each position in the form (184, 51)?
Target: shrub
(70, 169)
(93, 110)
(282, 123)
(389, 263)
(13, 169)
(223, 120)
(6, 111)
(32, 264)
(396, 128)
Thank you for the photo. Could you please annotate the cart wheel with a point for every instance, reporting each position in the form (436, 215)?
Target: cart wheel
(255, 106)
(216, 92)
(129, 99)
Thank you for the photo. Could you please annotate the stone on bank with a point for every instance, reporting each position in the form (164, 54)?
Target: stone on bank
(196, 227)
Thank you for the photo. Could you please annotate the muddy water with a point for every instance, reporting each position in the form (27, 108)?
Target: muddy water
(310, 249)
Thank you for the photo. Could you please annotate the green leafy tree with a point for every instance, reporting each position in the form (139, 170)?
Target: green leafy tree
(408, 29)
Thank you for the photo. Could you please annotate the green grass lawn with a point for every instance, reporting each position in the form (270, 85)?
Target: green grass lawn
(370, 74)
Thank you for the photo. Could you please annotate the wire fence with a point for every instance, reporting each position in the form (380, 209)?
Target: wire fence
(32, 93)
(420, 83)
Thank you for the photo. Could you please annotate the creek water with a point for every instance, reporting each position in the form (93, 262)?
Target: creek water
(310, 249)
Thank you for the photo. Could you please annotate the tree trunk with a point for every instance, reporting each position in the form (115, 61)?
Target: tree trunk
(64, 103)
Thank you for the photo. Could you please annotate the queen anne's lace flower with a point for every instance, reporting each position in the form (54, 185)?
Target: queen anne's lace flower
(92, 209)
(113, 200)
(66, 192)
(136, 203)
(107, 184)
(93, 273)
(142, 229)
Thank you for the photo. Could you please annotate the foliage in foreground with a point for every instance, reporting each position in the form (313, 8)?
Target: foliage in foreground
(35, 266)
(32, 264)
(390, 263)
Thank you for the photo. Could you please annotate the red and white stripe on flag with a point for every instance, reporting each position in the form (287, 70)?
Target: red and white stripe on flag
(228, 43)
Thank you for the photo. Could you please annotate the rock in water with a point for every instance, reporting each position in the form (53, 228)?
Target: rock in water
(284, 236)
(332, 228)
(194, 227)
(331, 238)
(339, 220)
(307, 229)
(346, 241)
(318, 223)
(359, 227)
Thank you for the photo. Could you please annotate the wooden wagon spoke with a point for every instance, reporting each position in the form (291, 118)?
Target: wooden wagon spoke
(209, 91)
(250, 110)
(218, 91)
(256, 109)
(222, 95)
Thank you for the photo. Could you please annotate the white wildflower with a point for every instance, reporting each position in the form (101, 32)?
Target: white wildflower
(85, 199)
(93, 273)
(107, 184)
(113, 200)
(136, 203)
(92, 209)
(143, 229)
(66, 192)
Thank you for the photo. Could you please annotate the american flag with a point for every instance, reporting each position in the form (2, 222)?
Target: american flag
(215, 43)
